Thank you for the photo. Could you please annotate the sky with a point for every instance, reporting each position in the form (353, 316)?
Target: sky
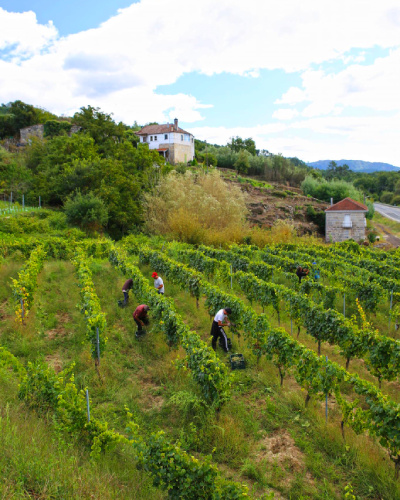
(316, 80)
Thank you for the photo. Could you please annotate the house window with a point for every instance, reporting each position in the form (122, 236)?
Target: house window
(181, 137)
(347, 223)
(165, 136)
(144, 139)
(192, 139)
(155, 137)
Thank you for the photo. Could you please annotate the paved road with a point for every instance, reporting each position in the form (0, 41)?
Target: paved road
(388, 211)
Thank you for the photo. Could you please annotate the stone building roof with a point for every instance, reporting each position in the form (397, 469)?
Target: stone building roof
(347, 205)
(161, 129)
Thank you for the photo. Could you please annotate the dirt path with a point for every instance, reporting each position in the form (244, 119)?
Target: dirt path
(389, 237)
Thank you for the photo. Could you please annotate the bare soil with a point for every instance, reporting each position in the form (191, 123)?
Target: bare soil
(280, 202)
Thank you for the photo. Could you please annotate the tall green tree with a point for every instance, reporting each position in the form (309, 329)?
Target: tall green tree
(238, 144)
(242, 163)
(101, 127)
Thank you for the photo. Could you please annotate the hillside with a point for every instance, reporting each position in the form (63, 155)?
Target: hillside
(356, 165)
(177, 401)
(270, 202)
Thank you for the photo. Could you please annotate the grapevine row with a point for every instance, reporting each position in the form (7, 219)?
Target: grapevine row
(207, 370)
(25, 285)
(95, 319)
(382, 353)
(171, 468)
(317, 375)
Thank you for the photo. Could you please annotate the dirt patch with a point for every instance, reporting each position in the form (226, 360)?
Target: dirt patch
(60, 331)
(150, 398)
(281, 202)
(63, 317)
(3, 307)
(389, 237)
(55, 362)
(281, 448)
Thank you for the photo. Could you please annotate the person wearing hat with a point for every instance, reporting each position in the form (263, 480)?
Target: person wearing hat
(158, 283)
(128, 285)
(217, 328)
(140, 316)
(316, 272)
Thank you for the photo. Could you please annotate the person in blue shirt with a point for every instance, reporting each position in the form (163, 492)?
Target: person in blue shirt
(316, 272)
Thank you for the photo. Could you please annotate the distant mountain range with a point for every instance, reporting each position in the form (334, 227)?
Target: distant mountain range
(356, 165)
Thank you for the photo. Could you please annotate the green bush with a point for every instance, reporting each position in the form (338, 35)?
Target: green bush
(396, 199)
(317, 217)
(58, 220)
(324, 190)
(54, 127)
(386, 197)
(87, 211)
(279, 194)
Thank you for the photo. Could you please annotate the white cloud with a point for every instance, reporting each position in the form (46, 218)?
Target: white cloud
(22, 35)
(120, 65)
(154, 42)
(372, 86)
(285, 114)
(363, 138)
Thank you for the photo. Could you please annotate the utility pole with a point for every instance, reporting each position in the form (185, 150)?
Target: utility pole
(207, 156)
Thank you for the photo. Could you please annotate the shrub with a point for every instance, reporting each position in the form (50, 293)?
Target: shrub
(58, 220)
(188, 206)
(324, 190)
(396, 200)
(317, 217)
(386, 197)
(55, 127)
(87, 211)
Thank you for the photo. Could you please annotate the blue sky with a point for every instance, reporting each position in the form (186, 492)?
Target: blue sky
(69, 16)
(302, 79)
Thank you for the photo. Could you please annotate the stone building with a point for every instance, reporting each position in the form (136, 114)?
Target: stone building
(173, 143)
(38, 131)
(345, 220)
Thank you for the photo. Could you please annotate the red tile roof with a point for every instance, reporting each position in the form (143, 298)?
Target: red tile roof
(160, 129)
(348, 204)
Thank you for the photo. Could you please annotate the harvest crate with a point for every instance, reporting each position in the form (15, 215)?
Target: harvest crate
(237, 361)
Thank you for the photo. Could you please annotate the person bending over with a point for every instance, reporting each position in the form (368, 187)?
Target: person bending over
(140, 316)
(217, 328)
(128, 285)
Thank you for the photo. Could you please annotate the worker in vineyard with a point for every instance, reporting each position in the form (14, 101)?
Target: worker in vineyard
(140, 316)
(128, 285)
(217, 328)
(316, 272)
(301, 272)
(158, 283)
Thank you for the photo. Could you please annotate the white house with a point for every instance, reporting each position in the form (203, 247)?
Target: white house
(174, 143)
(345, 220)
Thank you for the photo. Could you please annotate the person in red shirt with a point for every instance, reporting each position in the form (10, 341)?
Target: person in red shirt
(140, 316)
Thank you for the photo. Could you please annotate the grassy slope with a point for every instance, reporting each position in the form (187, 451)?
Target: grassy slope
(37, 462)
(264, 435)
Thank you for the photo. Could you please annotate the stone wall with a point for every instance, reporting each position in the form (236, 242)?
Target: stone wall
(33, 131)
(335, 232)
(179, 153)
(38, 131)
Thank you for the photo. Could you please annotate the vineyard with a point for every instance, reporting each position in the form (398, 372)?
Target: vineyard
(315, 413)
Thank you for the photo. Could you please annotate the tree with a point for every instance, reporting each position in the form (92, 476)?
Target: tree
(242, 163)
(238, 144)
(14, 176)
(101, 127)
(20, 115)
(87, 211)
